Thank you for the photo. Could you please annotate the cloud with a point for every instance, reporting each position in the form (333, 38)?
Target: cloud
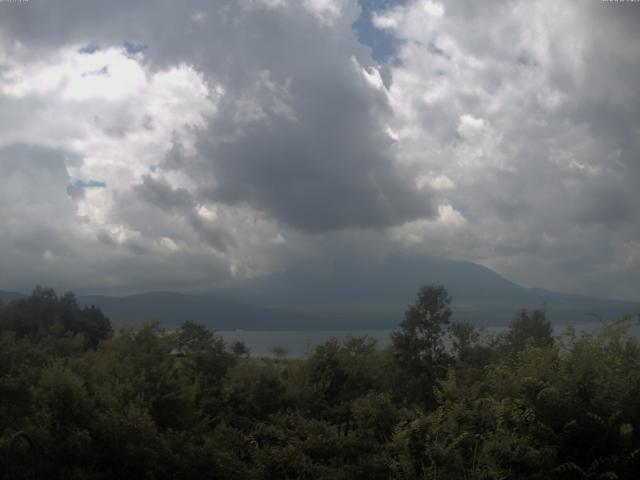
(300, 135)
(236, 138)
(76, 189)
(327, 166)
(510, 103)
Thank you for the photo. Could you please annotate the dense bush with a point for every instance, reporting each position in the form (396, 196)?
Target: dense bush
(153, 403)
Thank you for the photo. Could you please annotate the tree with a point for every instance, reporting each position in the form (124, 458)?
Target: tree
(280, 351)
(529, 328)
(194, 337)
(463, 337)
(240, 349)
(94, 324)
(467, 345)
(58, 319)
(418, 347)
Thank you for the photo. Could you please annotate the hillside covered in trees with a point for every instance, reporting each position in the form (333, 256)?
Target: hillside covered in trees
(443, 401)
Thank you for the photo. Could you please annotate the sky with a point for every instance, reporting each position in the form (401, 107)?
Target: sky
(185, 145)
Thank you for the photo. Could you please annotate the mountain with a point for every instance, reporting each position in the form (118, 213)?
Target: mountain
(395, 279)
(354, 295)
(8, 296)
(172, 309)
(381, 291)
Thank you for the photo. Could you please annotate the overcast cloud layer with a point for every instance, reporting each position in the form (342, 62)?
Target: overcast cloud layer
(180, 145)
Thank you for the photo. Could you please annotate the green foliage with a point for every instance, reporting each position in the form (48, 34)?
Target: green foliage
(529, 328)
(153, 403)
(418, 346)
(253, 390)
(193, 337)
(59, 320)
(467, 346)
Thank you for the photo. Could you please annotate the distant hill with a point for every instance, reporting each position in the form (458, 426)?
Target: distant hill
(381, 292)
(352, 295)
(8, 296)
(174, 308)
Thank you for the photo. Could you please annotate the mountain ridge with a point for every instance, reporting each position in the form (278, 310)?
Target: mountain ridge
(353, 295)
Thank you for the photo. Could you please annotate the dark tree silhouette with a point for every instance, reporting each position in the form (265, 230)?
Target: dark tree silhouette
(418, 346)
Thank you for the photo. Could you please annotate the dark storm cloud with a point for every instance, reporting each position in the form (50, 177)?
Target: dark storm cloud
(325, 162)
(606, 97)
(42, 240)
(38, 239)
(34, 207)
(295, 161)
(37, 173)
(163, 195)
(214, 235)
(178, 202)
(330, 167)
(609, 205)
(106, 239)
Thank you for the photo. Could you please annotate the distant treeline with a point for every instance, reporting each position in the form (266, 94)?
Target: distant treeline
(442, 401)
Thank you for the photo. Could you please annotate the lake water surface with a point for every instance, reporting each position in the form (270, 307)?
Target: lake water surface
(299, 343)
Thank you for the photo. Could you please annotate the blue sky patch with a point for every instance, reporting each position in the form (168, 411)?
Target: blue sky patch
(383, 45)
(90, 48)
(133, 48)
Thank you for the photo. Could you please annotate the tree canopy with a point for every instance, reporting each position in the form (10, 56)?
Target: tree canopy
(442, 401)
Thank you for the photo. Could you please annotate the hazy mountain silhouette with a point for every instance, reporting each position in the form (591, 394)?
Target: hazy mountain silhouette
(8, 296)
(381, 291)
(354, 295)
(171, 309)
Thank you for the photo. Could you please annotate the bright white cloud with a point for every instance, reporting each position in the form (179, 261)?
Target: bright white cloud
(117, 118)
(502, 102)
(253, 135)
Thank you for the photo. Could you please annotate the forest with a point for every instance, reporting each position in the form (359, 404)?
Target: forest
(444, 400)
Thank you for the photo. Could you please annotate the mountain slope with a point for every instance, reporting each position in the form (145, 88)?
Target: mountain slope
(382, 291)
(352, 295)
(396, 279)
(172, 309)
(8, 296)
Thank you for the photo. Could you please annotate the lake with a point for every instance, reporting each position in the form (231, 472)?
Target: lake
(299, 343)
